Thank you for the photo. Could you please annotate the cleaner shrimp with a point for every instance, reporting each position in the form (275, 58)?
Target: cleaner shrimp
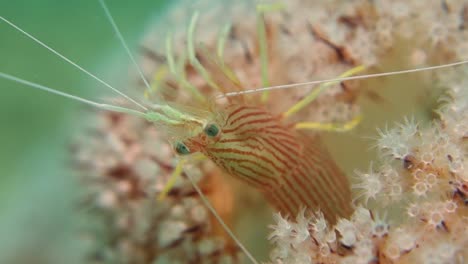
(204, 107)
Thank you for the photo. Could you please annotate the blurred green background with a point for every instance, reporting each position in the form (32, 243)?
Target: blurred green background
(37, 190)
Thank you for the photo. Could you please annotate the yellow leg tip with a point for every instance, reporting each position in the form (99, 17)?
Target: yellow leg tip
(334, 127)
(176, 174)
(316, 92)
(171, 181)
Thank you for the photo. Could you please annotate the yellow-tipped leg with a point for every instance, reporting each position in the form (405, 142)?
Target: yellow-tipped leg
(263, 43)
(192, 54)
(316, 92)
(172, 180)
(222, 37)
(179, 73)
(262, 40)
(176, 174)
(158, 78)
(335, 127)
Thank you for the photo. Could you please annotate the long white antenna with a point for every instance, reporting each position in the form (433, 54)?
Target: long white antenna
(71, 62)
(73, 97)
(359, 77)
(223, 224)
(122, 40)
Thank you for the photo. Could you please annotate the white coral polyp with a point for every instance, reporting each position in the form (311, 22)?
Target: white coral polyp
(282, 230)
(413, 210)
(380, 229)
(450, 206)
(370, 185)
(420, 189)
(435, 218)
(347, 231)
(393, 143)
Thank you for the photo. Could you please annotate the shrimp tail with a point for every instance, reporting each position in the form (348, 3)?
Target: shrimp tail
(315, 183)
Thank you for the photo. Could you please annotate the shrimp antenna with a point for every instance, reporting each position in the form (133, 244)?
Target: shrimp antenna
(124, 44)
(168, 116)
(221, 222)
(71, 62)
(359, 77)
(102, 106)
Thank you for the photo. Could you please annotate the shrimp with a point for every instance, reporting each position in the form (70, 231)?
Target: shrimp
(292, 169)
(242, 135)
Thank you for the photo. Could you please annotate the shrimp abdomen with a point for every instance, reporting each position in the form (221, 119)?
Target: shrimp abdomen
(292, 169)
(316, 183)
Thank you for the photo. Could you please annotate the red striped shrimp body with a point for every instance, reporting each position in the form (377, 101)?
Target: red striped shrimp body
(292, 169)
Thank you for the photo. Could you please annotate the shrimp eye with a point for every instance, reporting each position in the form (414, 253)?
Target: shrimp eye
(211, 130)
(181, 149)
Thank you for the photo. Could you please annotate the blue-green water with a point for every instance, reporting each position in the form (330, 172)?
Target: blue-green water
(37, 192)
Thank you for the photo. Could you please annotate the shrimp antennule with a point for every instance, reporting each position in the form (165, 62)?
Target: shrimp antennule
(359, 77)
(72, 63)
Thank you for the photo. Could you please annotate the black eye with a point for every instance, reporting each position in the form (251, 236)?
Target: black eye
(181, 149)
(211, 130)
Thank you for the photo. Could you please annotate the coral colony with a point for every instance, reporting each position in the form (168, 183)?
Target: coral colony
(409, 207)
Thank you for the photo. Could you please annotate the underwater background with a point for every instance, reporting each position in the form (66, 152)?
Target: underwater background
(41, 219)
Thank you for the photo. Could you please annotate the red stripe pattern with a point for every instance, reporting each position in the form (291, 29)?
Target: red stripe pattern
(292, 169)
